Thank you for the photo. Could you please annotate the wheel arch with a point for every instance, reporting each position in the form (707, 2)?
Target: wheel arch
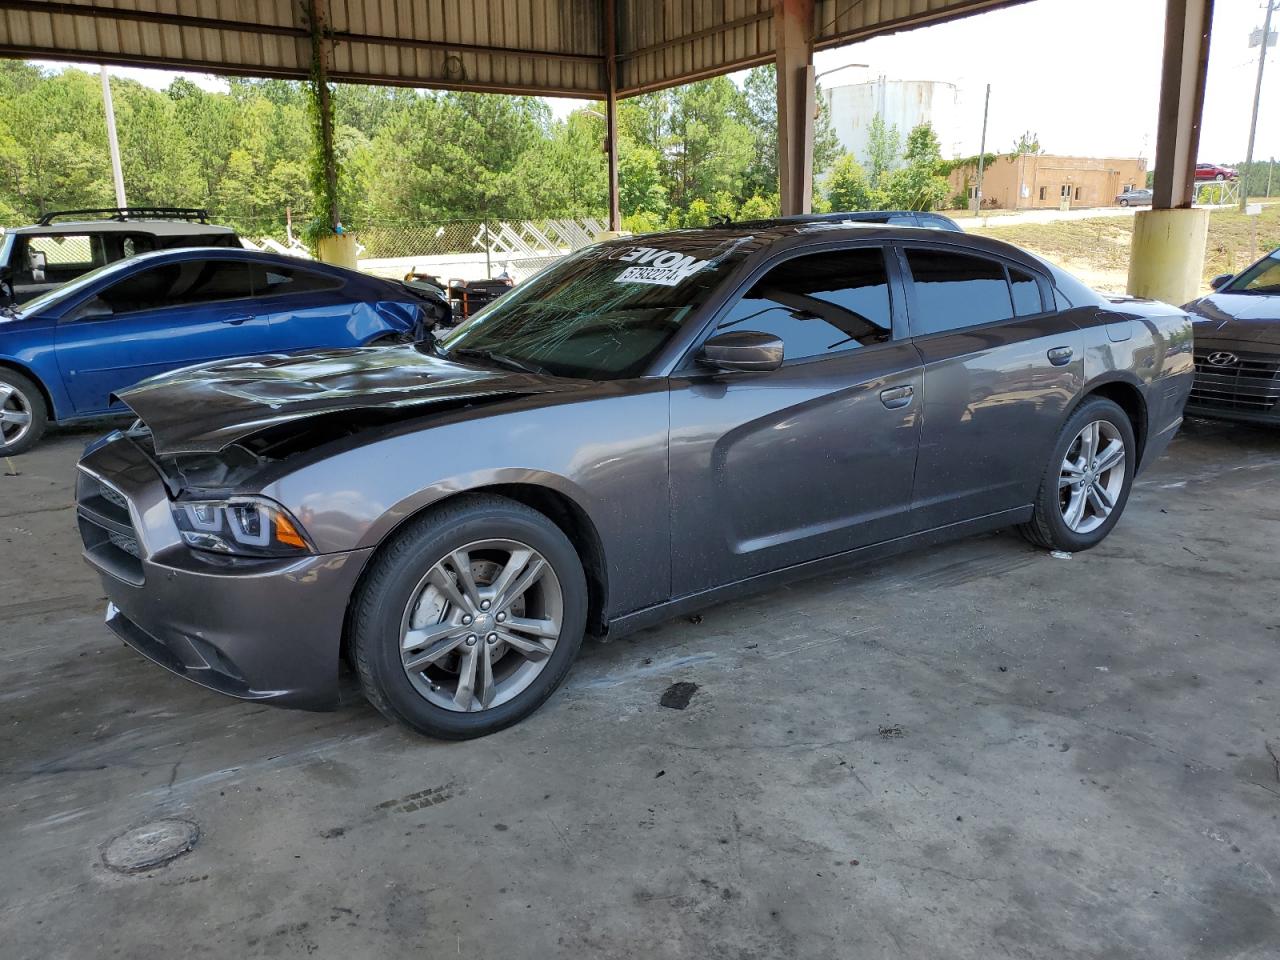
(1127, 395)
(557, 506)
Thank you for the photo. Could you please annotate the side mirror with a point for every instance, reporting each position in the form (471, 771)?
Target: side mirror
(746, 350)
(39, 260)
(1221, 280)
(95, 308)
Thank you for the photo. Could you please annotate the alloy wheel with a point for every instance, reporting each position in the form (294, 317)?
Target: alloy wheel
(481, 625)
(1092, 476)
(15, 415)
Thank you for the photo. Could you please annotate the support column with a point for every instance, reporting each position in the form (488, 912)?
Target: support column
(1166, 258)
(336, 248)
(611, 111)
(793, 43)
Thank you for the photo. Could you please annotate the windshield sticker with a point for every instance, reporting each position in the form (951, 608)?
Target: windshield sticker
(665, 268)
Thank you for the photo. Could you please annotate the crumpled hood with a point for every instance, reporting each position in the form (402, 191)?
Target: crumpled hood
(203, 409)
(1240, 317)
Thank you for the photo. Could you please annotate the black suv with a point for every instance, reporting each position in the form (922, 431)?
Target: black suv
(49, 253)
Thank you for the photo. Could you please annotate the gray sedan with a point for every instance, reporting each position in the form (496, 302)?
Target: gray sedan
(647, 427)
(1137, 197)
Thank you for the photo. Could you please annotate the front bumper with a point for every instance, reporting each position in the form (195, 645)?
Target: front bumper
(264, 630)
(1265, 418)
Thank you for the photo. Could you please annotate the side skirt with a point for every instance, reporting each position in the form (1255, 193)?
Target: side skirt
(648, 616)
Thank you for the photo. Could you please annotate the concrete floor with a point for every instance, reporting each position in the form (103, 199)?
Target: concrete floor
(975, 752)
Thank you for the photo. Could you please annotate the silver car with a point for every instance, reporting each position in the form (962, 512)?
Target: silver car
(1137, 197)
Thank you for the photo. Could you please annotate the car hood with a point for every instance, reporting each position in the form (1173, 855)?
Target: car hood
(204, 409)
(1242, 317)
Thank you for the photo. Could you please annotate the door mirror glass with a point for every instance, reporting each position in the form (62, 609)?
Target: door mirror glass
(1221, 280)
(39, 260)
(747, 350)
(95, 308)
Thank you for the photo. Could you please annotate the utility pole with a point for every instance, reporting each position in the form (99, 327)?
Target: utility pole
(1257, 95)
(982, 150)
(1271, 165)
(116, 174)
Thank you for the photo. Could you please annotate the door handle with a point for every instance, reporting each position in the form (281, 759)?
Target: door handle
(1059, 356)
(894, 398)
(236, 321)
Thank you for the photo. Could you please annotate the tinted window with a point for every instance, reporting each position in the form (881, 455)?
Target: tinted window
(271, 281)
(132, 246)
(955, 290)
(822, 303)
(176, 284)
(1026, 293)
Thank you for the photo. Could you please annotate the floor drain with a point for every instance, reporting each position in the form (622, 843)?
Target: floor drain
(150, 845)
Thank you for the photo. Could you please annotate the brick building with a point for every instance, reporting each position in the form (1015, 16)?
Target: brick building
(1030, 181)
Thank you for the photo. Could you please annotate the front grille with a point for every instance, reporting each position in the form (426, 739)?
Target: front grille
(1251, 383)
(106, 527)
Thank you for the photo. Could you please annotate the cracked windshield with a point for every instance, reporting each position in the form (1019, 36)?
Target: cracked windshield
(601, 314)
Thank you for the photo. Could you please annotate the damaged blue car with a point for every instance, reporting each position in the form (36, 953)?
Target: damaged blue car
(65, 354)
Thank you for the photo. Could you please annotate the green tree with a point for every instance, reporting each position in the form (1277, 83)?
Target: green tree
(760, 90)
(918, 185)
(1027, 142)
(882, 150)
(846, 186)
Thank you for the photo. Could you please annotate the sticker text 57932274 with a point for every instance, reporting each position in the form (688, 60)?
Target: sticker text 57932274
(665, 268)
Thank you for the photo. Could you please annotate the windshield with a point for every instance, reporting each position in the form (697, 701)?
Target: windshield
(605, 312)
(1262, 277)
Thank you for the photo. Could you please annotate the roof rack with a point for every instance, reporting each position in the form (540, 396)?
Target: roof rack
(196, 214)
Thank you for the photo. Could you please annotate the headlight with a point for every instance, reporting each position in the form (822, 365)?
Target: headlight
(245, 526)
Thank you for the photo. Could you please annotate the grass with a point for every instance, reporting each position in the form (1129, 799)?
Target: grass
(1097, 249)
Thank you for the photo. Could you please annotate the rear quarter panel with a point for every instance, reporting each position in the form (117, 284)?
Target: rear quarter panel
(1147, 344)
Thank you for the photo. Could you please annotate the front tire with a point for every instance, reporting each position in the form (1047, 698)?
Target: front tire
(1124, 203)
(469, 618)
(1087, 481)
(23, 416)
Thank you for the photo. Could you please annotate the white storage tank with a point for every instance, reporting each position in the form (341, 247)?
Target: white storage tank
(902, 103)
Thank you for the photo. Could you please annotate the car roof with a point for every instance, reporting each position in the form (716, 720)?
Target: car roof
(790, 234)
(160, 228)
(265, 257)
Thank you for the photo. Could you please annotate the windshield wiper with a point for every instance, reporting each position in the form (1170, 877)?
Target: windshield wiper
(10, 310)
(498, 359)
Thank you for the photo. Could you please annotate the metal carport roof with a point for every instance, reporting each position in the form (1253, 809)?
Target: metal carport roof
(547, 47)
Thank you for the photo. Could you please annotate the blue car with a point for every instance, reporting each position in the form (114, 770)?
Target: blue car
(64, 354)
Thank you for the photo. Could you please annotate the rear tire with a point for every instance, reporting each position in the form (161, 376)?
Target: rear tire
(23, 415)
(1124, 203)
(480, 563)
(1087, 481)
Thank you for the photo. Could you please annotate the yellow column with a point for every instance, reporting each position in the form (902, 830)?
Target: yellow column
(338, 250)
(1166, 260)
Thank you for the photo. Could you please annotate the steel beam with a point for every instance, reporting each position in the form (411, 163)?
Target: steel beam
(793, 43)
(1182, 78)
(611, 109)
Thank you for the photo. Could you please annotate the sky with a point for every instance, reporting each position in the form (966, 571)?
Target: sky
(1084, 75)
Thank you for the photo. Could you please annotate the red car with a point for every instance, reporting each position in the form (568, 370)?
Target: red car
(1212, 171)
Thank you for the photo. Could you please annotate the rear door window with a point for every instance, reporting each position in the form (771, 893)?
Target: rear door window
(180, 284)
(270, 281)
(1026, 293)
(952, 291)
(819, 304)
